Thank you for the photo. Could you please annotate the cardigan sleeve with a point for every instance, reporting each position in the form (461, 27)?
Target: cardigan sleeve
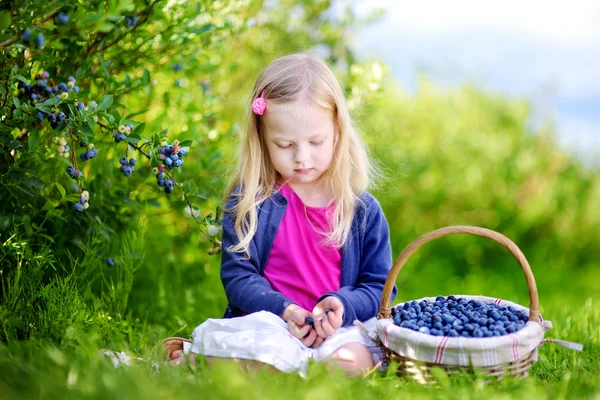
(362, 300)
(245, 288)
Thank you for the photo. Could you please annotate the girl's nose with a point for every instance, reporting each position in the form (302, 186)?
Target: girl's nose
(302, 154)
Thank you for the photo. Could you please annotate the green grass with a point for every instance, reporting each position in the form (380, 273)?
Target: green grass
(36, 368)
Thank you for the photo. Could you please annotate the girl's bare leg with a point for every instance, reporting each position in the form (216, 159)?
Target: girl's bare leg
(353, 358)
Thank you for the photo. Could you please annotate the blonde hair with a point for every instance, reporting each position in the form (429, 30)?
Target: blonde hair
(349, 174)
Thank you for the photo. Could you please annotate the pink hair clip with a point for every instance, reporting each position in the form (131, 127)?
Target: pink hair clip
(259, 105)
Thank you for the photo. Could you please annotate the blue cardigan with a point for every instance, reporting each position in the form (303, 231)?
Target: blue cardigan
(366, 261)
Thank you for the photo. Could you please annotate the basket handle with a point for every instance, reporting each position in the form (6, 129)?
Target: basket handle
(385, 311)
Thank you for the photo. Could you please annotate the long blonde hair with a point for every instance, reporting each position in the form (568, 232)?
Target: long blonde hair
(349, 174)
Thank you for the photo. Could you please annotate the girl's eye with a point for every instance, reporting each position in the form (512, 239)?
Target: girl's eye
(317, 143)
(284, 147)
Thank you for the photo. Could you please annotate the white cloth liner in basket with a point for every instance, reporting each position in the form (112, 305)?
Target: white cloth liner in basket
(463, 351)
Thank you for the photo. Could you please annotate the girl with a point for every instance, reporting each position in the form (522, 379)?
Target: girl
(306, 248)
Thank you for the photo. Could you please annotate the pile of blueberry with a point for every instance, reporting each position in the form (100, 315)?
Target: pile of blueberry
(123, 131)
(83, 201)
(43, 89)
(163, 181)
(127, 166)
(171, 155)
(90, 153)
(451, 316)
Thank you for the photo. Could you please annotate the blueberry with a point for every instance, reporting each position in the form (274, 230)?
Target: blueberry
(424, 329)
(168, 189)
(131, 20)
(80, 105)
(123, 160)
(477, 333)
(40, 41)
(26, 35)
(40, 116)
(110, 262)
(78, 206)
(76, 89)
(132, 161)
(63, 18)
(177, 66)
(182, 153)
(310, 321)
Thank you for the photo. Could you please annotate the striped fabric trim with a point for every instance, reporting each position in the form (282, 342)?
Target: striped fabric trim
(385, 332)
(439, 354)
(515, 346)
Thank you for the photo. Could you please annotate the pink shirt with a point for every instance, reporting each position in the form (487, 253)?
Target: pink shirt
(299, 265)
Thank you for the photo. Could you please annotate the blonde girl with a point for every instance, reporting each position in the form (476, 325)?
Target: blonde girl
(306, 248)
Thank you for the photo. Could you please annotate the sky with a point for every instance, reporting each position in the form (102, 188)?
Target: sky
(548, 52)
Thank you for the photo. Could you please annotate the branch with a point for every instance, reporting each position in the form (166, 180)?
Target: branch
(144, 17)
(200, 226)
(130, 144)
(13, 39)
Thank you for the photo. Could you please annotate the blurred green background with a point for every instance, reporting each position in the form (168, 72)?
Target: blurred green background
(459, 156)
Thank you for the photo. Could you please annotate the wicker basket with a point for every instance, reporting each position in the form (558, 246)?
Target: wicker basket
(420, 370)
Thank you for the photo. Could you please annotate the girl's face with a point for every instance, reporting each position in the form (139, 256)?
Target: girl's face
(300, 138)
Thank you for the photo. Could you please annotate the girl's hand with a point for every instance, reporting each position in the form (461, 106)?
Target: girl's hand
(296, 320)
(328, 314)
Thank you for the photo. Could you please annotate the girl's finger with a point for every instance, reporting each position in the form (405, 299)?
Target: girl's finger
(334, 320)
(310, 338)
(298, 331)
(327, 326)
(318, 342)
(319, 328)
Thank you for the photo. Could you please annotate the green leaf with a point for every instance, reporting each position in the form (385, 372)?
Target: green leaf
(135, 114)
(52, 101)
(133, 138)
(27, 224)
(139, 129)
(186, 143)
(5, 20)
(146, 77)
(22, 79)
(61, 189)
(87, 131)
(105, 27)
(43, 107)
(105, 102)
(16, 102)
(34, 139)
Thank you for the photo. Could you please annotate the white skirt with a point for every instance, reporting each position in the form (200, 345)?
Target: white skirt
(264, 337)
